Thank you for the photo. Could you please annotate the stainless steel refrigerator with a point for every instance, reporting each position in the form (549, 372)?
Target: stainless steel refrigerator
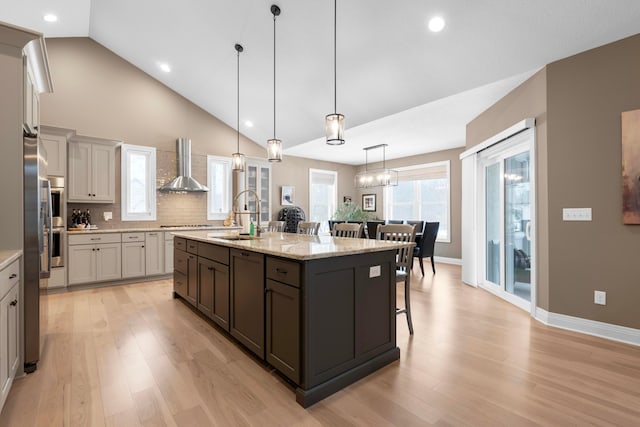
(37, 242)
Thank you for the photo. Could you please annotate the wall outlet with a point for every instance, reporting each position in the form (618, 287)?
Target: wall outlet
(107, 216)
(600, 297)
(374, 271)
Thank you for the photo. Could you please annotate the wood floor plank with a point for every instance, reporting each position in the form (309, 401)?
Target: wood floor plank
(134, 355)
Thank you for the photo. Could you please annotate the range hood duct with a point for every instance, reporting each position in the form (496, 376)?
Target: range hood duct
(184, 182)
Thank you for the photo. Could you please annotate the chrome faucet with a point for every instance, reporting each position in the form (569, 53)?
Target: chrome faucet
(257, 212)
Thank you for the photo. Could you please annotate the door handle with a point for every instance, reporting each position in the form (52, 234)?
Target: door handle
(527, 231)
(281, 271)
(13, 276)
(13, 303)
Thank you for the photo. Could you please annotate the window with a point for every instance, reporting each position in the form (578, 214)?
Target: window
(138, 183)
(219, 183)
(323, 196)
(422, 194)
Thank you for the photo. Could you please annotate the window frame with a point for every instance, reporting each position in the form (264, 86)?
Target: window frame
(335, 201)
(150, 213)
(447, 164)
(226, 161)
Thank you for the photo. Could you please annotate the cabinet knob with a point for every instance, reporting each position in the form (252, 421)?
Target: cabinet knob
(93, 195)
(13, 303)
(98, 249)
(13, 276)
(244, 254)
(143, 246)
(210, 268)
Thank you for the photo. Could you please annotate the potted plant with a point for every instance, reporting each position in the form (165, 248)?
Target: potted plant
(348, 211)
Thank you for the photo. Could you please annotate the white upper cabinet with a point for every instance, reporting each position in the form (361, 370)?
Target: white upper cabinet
(91, 170)
(258, 179)
(56, 147)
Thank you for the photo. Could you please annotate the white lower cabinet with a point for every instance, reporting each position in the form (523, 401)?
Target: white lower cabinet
(94, 258)
(9, 327)
(168, 253)
(133, 255)
(154, 253)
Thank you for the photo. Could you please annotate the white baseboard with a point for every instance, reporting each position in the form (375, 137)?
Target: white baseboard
(445, 260)
(589, 327)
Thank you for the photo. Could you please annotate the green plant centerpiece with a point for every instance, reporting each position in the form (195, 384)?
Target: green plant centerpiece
(348, 211)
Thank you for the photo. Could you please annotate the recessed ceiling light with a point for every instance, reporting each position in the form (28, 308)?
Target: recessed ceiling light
(165, 67)
(436, 24)
(50, 17)
(248, 124)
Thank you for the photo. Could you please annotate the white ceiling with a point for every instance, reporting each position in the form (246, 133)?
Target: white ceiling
(398, 83)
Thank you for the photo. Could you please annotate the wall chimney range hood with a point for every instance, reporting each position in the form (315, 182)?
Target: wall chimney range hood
(184, 182)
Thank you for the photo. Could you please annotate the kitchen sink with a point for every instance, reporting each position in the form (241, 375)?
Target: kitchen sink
(238, 237)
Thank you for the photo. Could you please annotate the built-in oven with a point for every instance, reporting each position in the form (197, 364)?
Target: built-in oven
(58, 221)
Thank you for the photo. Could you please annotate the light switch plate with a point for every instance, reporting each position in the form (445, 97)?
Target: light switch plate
(107, 216)
(374, 271)
(576, 214)
(600, 297)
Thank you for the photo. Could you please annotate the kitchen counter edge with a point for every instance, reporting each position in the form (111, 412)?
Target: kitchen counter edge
(7, 256)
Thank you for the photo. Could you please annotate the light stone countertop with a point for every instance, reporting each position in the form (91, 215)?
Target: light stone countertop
(8, 256)
(295, 246)
(149, 229)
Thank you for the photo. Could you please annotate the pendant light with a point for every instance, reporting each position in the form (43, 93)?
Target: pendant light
(376, 177)
(274, 146)
(334, 123)
(237, 159)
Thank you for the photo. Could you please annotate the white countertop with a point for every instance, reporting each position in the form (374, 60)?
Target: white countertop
(295, 246)
(8, 256)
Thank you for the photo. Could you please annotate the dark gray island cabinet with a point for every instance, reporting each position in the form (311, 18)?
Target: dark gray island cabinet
(323, 322)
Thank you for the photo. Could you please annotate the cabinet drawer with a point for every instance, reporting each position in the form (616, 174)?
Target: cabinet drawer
(180, 243)
(180, 261)
(9, 277)
(86, 239)
(283, 271)
(192, 247)
(214, 252)
(133, 237)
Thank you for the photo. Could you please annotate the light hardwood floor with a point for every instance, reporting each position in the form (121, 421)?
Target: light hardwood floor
(132, 355)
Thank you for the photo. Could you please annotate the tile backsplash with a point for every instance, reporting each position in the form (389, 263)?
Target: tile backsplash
(172, 208)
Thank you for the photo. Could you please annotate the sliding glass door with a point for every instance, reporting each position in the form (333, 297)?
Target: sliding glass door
(507, 219)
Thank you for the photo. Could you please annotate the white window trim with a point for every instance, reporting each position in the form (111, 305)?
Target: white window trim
(326, 171)
(227, 208)
(150, 153)
(447, 164)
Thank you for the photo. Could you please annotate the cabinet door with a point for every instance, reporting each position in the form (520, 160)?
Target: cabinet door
(79, 178)
(133, 259)
(13, 330)
(108, 266)
(103, 170)
(56, 147)
(283, 329)
(82, 265)
(192, 279)
(213, 297)
(247, 299)
(154, 253)
(28, 100)
(258, 179)
(4, 347)
(168, 256)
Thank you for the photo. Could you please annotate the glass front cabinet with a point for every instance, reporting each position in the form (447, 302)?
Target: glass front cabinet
(258, 179)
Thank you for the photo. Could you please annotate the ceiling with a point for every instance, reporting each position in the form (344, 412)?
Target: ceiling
(397, 82)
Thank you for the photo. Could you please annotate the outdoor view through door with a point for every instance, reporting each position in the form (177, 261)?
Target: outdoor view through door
(508, 209)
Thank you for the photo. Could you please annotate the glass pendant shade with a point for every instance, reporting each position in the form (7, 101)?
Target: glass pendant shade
(274, 150)
(238, 161)
(334, 126)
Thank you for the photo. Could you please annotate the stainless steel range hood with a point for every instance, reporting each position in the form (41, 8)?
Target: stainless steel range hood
(184, 182)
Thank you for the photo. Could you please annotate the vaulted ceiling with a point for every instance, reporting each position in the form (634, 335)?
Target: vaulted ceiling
(397, 82)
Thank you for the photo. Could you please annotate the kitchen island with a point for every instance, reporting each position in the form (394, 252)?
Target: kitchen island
(321, 310)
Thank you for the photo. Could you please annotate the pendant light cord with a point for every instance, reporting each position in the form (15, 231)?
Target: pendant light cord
(335, 61)
(274, 76)
(238, 102)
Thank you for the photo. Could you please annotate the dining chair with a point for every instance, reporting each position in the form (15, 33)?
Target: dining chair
(275, 226)
(394, 221)
(419, 225)
(372, 228)
(308, 227)
(426, 245)
(332, 222)
(347, 229)
(404, 259)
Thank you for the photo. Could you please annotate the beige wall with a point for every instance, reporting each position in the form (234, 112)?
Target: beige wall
(99, 94)
(586, 95)
(444, 249)
(579, 165)
(527, 100)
